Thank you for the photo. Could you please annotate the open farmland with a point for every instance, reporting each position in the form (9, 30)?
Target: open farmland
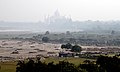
(20, 50)
(13, 50)
(24, 49)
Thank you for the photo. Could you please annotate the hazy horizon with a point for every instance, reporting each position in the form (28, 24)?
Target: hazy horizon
(38, 10)
(59, 15)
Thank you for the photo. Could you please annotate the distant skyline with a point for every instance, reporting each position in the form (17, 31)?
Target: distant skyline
(38, 10)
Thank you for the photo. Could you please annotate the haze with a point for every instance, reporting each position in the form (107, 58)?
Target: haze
(37, 10)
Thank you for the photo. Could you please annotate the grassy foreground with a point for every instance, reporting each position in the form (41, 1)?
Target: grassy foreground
(75, 61)
(8, 66)
(11, 66)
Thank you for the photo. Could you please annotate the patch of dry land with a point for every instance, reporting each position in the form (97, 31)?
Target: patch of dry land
(24, 49)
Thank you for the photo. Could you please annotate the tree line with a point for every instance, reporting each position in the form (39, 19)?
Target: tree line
(102, 64)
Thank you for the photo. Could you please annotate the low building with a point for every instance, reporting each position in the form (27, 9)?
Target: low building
(63, 54)
(91, 52)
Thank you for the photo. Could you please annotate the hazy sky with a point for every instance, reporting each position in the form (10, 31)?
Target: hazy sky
(35, 10)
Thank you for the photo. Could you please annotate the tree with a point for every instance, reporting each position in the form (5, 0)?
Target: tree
(68, 32)
(47, 33)
(63, 66)
(20, 66)
(109, 64)
(76, 48)
(113, 32)
(89, 67)
(63, 46)
(67, 46)
(45, 39)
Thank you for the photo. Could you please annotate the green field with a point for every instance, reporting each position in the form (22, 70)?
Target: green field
(11, 66)
(7, 66)
(76, 61)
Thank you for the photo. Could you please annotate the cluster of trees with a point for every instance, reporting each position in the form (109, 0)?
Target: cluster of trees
(108, 64)
(102, 64)
(38, 66)
(75, 48)
(45, 39)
